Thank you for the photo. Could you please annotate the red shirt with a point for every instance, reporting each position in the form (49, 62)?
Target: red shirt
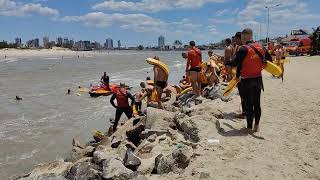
(194, 57)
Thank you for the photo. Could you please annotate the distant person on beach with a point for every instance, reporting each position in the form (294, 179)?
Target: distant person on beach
(160, 81)
(250, 60)
(228, 54)
(5, 56)
(194, 68)
(122, 97)
(279, 57)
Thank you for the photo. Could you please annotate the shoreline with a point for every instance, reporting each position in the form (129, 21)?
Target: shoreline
(210, 138)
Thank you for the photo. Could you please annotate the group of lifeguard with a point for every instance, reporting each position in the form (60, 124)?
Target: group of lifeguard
(243, 61)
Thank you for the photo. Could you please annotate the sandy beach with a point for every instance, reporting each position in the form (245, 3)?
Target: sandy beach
(287, 146)
(55, 52)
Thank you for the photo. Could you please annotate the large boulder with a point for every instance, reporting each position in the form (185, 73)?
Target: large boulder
(147, 165)
(189, 129)
(84, 171)
(176, 161)
(158, 119)
(131, 161)
(114, 169)
(78, 153)
(102, 153)
(55, 169)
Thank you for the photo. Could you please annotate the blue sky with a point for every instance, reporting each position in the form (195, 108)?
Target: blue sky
(137, 22)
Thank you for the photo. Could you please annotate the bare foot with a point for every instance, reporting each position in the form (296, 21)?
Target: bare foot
(256, 128)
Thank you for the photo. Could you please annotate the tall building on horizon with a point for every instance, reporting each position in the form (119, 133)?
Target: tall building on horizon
(119, 44)
(46, 42)
(109, 43)
(18, 42)
(161, 41)
(59, 41)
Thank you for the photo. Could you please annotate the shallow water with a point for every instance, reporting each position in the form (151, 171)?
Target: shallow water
(41, 127)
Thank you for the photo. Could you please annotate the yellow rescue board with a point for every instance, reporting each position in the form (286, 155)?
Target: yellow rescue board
(101, 91)
(231, 85)
(186, 91)
(273, 69)
(159, 63)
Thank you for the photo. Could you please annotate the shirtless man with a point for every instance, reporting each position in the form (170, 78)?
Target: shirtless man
(160, 81)
(212, 69)
(138, 99)
(228, 55)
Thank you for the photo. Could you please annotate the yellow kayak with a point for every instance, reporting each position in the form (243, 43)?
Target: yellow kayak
(185, 91)
(273, 69)
(231, 85)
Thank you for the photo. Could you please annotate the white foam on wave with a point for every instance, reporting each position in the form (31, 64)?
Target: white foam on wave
(52, 58)
(28, 155)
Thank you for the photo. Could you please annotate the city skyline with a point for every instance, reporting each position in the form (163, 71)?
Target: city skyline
(142, 21)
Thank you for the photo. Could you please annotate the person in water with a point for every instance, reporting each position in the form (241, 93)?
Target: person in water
(194, 67)
(105, 80)
(228, 54)
(18, 98)
(250, 60)
(160, 81)
(122, 96)
(69, 91)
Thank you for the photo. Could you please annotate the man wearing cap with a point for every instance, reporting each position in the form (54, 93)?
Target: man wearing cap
(122, 96)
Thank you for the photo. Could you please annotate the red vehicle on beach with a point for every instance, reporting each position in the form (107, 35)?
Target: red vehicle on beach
(299, 46)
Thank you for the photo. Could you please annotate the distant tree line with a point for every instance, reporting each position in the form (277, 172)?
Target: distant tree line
(4, 44)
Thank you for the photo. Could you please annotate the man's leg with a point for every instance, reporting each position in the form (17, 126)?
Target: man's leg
(199, 83)
(159, 93)
(117, 118)
(257, 106)
(194, 82)
(247, 95)
(128, 113)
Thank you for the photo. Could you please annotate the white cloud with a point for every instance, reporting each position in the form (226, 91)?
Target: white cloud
(222, 12)
(283, 18)
(11, 8)
(152, 5)
(137, 22)
(213, 30)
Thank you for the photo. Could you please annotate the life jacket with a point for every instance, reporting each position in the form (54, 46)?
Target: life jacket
(195, 57)
(122, 98)
(252, 64)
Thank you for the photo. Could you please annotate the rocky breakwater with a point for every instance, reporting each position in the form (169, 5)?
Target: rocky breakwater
(163, 144)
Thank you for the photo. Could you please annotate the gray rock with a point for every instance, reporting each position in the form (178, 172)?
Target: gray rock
(114, 169)
(131, 161)
(137, 176)
(103, 153)
(158, 119)
(175, 162)
(115, 142)
(148, 132)
(55, 169)
(78, 153)
(51, 177)
(84, 171)
(189, 129)
(147, 165)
